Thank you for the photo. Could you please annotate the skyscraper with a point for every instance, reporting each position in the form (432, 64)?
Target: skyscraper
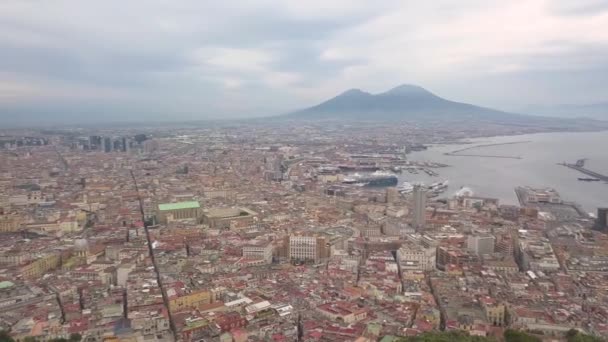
(125, 144)
(420, 196)
(108, 144)
(602, 219)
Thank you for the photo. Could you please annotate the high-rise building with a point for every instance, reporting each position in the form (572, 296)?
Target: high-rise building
(150, 146)
(419, 212)
(392, 195)
(481, 245)
(94, 142)
(108, 144)
(125, 144)
(602, 219)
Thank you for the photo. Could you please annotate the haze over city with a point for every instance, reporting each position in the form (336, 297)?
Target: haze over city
(70, 61)
(303, 171)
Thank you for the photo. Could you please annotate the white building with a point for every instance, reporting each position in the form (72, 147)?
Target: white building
(260, 251)
(416, 258)
(311, 248)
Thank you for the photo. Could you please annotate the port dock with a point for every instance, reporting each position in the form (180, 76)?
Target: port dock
(580, 167)
(457, 153)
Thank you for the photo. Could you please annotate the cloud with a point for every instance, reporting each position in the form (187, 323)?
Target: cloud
(197, 59)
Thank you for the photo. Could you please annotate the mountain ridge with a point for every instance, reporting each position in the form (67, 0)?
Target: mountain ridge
(405, 101)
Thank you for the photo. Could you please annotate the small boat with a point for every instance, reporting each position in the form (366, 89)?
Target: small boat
(588, 179)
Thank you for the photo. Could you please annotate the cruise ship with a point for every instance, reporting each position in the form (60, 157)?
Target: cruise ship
(377, 178)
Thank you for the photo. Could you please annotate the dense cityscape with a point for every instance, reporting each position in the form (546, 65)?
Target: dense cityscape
(290, 231)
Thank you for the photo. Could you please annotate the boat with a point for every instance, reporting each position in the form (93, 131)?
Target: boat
(588, 179)
(464, 192)
(430, 172)
(439, 186)
(406, 188)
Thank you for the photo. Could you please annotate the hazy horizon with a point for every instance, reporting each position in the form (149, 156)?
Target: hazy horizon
(67, 62)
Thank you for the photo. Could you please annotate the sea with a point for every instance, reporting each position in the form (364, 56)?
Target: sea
(532, 160)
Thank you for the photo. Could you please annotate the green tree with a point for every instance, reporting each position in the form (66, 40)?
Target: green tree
(75, 337)
(5, 337)
(574, 335)
(451, 336)
(519, 336)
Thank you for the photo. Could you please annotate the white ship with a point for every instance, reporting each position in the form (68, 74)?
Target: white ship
(464, 192)
(433, 189)
(406, 188)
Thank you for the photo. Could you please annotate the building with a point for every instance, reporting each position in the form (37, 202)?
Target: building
(601, 223)
(150, 146)
(535, 195)
(416, 258)
(178, 211)
(10, 223)
(344, 312)
(419, 215)
(188, 301)
(481, 245)
(259, 251)
(536, 255)
(108, 144)
(495, 312)
(124, 144)
(229, 217)
(41, 265)
(392, 195)
(307, 248)
(450, 256)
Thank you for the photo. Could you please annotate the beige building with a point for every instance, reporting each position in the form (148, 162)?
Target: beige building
(9, 223)
(229, 217)
(307, 248)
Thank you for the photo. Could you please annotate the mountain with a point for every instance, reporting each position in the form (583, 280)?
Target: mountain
(597, 111)
(405, 102)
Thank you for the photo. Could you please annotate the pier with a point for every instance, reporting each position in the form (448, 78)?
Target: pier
(481, 155)
(580, 167)
(456, 153)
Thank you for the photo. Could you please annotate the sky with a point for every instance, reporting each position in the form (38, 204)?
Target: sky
(74, 60)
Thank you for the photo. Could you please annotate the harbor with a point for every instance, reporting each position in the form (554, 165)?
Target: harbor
(580, 167)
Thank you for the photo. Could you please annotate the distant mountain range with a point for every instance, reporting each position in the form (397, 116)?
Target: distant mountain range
(413, 103)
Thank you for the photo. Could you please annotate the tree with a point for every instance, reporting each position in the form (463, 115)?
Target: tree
(5, 337)
(574, 335)
(451, 336)
(519, 336)
(75, 337)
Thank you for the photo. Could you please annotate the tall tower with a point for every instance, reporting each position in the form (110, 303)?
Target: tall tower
(602, 219)
(107, 144)
(420, 196)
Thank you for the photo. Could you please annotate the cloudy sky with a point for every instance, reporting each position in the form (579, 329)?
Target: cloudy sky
(196, 59)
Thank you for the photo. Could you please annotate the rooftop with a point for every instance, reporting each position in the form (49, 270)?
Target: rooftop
(179, 205)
